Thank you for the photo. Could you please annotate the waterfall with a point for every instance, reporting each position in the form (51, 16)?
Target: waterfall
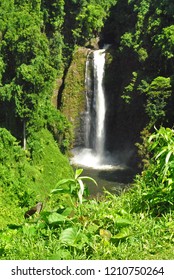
(95, 104)
(93, 153)
(99, 63)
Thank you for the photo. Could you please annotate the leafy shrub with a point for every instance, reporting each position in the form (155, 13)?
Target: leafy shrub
(88, 227)
(74, 186)
(156, 184)
(83, 231)
(13, 167)
(165, 41)
(127, 40)
(60, 127)
(97, 229)
(129, 89)
(16, 179)
(158, 94)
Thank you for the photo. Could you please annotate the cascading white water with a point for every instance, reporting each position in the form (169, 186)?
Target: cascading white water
(99, 63)
(93, 153)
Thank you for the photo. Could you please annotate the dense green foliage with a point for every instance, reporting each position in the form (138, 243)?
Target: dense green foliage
(156, 183)
(67, 229)
(28, 177)
(16, 178)
(29, 66)
(38, 41)
(143, 35)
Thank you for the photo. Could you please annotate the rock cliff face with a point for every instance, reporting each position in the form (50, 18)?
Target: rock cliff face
(124, 120)
(73, 96)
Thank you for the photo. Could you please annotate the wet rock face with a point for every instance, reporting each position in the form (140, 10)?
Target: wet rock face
(79, 131)
(124, 121)
(86, 113)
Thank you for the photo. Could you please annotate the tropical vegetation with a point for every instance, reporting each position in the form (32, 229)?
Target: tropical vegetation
(38, 42)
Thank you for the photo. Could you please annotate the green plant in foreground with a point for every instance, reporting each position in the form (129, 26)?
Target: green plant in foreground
(102, 229)
(82, 230)
(73, 186)
(157, 181)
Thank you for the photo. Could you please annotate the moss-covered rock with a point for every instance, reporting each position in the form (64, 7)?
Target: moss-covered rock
(73, 97)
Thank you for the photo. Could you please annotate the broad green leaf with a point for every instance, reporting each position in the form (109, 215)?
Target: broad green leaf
(122, 222)
(67, 211)
(168, 156)
(64, 181)
(55, 218)
(88, 178)
(69, 236)
(161, 152)
(29, 230)
(92, 228)
(59, 185)
(78, 172)
(122, 212)
(122, 234)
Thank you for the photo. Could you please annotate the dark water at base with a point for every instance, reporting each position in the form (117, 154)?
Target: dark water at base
(114, 180)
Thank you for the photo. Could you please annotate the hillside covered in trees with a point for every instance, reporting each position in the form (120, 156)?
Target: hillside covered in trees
(37, 44)
(41, 43)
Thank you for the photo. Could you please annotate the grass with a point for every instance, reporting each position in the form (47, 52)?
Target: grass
(147, 237)
(25, 180)
(112, 227)
(50, 163)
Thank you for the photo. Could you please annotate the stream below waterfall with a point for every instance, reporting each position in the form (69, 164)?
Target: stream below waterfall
(113, 180)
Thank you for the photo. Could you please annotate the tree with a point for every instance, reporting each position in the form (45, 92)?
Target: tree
(27, 77)
(158, 94)
(165, 41)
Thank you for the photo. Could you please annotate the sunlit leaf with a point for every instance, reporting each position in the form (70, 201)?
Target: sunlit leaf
(88, 178)
(78, 172)
(68, 211)
(105, 234)
(122, 222)
(161, 152)
(122, 234)
(29, 230)
(123, 212)
(81, 190)
(64, 181)
(60, 188)
(168, 156)
(55, 218)
(93, 228)
(69, 236)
